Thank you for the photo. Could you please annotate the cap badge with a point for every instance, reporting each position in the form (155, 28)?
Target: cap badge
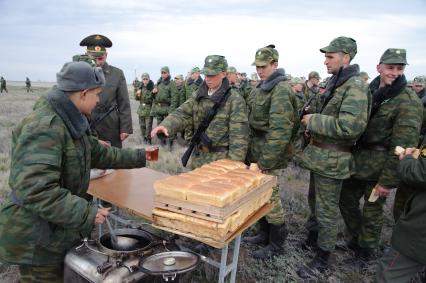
(260, 52)
(97, 48)
(397, 52)
(210, 60)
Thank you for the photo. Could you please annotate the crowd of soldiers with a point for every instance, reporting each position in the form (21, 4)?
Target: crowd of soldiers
(342, 129)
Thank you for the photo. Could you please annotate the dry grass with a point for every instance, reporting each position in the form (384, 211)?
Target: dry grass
(17, 104)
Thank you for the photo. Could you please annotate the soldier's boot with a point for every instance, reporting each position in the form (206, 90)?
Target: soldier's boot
(311, 241)
(318, 265)
(277, 236)
(361, 258)
(171, 145)
(262, 236)
(346, 245)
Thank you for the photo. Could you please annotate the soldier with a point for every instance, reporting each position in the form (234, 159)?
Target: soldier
(297, 88)
(228, 130)
(136, 85)
(273, 122)
(145, 97)
(180, 89)
(48, 210)
(333, 131)
(364, 76)
(395, 119)
(407, 254)
(232, 75)
(28, 85)
(193, 83)
(166, 99)
(250, 85)
(117, 126)
(243, 82)
(254, 80)
(322, 87)
(310, 87)
(3, 85)
(419, 86)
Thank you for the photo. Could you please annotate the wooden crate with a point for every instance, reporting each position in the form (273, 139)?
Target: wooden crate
(209, 212)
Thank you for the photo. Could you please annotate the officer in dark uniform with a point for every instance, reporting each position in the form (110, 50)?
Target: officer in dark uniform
(117, 126)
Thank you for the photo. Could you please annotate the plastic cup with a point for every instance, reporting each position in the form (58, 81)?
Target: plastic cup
(151, 153)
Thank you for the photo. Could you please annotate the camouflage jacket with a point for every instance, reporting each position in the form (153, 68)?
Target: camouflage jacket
(145, 98)
(341, 122)
(180, 90)
(423, 129)
(273, 122)
(396, 122)
(192, 86)
(114, 92)
(166, 99)
(309, 92)
(409, 232)
(229, 128)
(48, 210)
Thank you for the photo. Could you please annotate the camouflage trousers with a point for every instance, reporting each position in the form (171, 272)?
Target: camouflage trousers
(3, 88)
(145, 124)
(395, 267)
(364, 228)
(276, 215)
(403, 193)
(41, 273)
(326, 213)
(311, 224)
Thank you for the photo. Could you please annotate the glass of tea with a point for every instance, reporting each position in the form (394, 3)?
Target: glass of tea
(151, 153)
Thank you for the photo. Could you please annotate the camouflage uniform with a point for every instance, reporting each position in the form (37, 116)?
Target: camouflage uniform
(28, 85)
(229, 128)
(48, 210)
(180, 90)
(313, 90)
(3, 85)
(166, 99)
(144, 111)
(396, 122)
(333, 131)
(191, 88)
(136, 85)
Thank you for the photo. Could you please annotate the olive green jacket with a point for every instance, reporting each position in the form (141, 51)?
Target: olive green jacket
(166, 99)
(48, 211)
(146, 99)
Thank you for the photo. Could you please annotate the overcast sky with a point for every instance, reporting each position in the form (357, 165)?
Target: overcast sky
(37, 37)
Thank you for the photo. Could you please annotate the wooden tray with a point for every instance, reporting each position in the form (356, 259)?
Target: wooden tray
(209, 212)
(220, 243)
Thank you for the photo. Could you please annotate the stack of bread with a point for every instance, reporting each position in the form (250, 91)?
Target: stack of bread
(218, 184)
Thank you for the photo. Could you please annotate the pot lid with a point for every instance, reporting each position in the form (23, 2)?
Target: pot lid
(173, 262)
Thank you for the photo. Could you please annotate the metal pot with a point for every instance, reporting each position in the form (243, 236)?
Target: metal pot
(144, 242)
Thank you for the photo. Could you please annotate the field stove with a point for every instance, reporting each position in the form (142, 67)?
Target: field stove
(95, 260)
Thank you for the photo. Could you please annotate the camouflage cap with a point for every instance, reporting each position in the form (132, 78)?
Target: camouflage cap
(419, 81)
(195, 70)
(314, 75)
(394, 56)
(232, 70)
(96, 44)
(145, 76)
(364, 75)
(179, 77)
(265, 56)
(341, 44)
(254, 77)
(214, 64)
(165, 69)
(84, 58)
(296, 80)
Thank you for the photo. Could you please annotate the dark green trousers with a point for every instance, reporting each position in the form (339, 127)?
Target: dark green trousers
(41, 273)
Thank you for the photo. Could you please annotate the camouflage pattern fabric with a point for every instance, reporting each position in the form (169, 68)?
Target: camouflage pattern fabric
(41, 273)
(145, 124)
(146, 99)
(180, 92)
(309, 92)
(311, 223)
(191, 87)
(276, 215)
(327, 194)
(48, 209)
(165, 100)
(364, 227)
(136, 85)
(114, 92)
(229, 127)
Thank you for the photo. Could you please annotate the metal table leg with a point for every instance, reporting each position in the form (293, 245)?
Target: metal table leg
(222, 269)
(237, 243)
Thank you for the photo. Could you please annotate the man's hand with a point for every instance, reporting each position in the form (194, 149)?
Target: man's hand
(155, 90)
(124, 136)
(101, 214)
(306, 118)
(159, 129)
(407, 151)
(138, 93)
(383, 191)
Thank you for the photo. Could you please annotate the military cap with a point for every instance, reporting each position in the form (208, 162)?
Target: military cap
(296, 80)
(364, 75)
(179, 77)
(394, 56)
(419, 81)
(165, 69)
(214, 64)
(254, 77)
(84, 58)
(145, 76)
(232, 70)
(195, 70)
(314, 75)
(265, 56)
(96, 44)
(243, 74)
(341, 44)
(75, 76)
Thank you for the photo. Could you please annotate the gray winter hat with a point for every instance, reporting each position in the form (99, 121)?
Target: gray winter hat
(75, 76)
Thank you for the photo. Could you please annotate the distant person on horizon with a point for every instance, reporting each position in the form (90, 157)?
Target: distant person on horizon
(28, 85)
(117, 126)
(3, 85)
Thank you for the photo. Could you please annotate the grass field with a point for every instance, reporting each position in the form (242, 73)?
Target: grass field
(17, 104)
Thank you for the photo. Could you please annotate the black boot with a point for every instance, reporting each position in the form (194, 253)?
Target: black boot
(277, 236)
(262, 236)
(318, 265)
(310, 242)
(361, 258)
(347, 245)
